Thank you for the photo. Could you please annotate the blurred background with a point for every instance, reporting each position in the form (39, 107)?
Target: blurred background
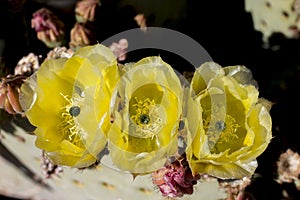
(224, 29)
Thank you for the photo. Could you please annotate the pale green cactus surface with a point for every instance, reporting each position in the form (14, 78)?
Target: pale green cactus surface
(21, 177)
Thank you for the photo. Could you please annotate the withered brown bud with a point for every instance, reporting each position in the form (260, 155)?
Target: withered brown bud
(9, 93)
(85, 10)
(141, 21)
(81, 36)
(59, 52)
(27, 65)
(288, 167)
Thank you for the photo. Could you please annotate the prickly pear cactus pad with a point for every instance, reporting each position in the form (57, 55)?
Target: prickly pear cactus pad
(22, 177)
(275, 16)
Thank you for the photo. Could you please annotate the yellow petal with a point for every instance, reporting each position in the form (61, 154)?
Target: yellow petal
(71, 104)
(71, 155)
(233, 130)
(147, 109)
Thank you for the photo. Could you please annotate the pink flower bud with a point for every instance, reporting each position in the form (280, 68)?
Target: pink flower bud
(175, 180)
(49, 28)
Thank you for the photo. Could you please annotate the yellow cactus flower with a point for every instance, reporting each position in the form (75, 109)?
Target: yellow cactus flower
(234, 126)
(146, 109)
(68, 102)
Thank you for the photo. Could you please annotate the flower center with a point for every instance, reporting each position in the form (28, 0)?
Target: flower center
(67, 127)
(220, 131)
(142, 109)
(220, 125)
(146, 118)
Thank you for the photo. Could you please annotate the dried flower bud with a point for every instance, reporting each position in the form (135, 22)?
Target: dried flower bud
(141, 21)
(85, 10)
(81, 36)
(48, 168)
(49, 28)
(59, 52)
(175, 180)
(288, 167)
(9, 93)
(235, 189)
(27, 65)
(119, 49)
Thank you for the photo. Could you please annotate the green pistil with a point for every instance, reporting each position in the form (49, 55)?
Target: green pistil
(144, 119)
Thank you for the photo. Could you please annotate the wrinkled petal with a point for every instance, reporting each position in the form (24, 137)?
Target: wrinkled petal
(146, 108)
(234, 126)
(68, 100)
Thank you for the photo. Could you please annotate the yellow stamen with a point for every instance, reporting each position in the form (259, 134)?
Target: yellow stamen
(142, 110)
(220, 131)
(67, 127)
(146, 118)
